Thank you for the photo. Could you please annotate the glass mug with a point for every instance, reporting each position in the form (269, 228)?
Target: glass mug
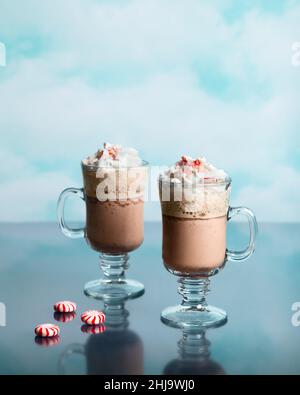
(114, 200)
(194, 246)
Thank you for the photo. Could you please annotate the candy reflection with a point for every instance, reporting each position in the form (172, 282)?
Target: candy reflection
(64, 317)
(93, 329)
(47, 341)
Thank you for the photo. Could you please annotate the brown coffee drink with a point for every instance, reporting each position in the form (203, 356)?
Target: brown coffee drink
(114, 195)
(194, 202)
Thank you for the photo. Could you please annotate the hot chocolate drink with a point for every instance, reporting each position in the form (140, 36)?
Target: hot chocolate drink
(114, 186)
(194, 245)
(194, 200)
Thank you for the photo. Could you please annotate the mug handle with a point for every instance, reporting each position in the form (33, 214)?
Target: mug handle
(69, 350)
(66, 230)
(242, 255)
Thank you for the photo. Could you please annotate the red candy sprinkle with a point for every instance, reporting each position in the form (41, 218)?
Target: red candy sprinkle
(196, 162)
(183, 161)
(112, 152)
(99, 154)
(93, 317)
(65, 306)
(47, 330)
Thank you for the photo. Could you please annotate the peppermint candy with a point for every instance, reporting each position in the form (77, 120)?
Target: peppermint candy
(65, 306)
(93, 317)
(46, 330)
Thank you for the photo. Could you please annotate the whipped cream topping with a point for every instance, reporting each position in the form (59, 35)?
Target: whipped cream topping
(194, 188)
(189, 170)
(114, 156)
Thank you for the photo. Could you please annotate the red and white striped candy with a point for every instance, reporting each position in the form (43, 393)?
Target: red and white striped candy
(65, 306)
(93, 317)
(46, 330)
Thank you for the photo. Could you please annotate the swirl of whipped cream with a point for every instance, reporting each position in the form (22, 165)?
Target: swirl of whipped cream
(114, 156)
(194, 188)
(189, 170)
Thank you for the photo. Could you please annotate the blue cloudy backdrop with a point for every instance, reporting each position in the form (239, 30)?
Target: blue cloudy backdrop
(211, 78)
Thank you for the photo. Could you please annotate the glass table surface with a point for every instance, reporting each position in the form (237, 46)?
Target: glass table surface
(39, 266)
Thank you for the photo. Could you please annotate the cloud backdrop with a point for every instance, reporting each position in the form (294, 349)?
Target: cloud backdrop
(166, 76)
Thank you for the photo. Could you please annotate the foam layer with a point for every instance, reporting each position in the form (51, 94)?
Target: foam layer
(194, 188)
(114, 173)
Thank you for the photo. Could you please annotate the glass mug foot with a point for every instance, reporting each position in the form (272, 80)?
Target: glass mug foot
(114, 291)
(193, 317)
(194, 312)
(114, 287)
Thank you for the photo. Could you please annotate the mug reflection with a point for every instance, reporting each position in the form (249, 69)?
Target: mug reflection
(194, 356)
(114, 350)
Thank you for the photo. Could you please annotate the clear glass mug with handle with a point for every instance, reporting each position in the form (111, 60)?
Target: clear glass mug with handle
(194, 246)
(114, 200)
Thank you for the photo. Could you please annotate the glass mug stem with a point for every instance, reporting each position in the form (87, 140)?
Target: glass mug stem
(114, 266)
(238, 256)
(194, 291)
(194, 345)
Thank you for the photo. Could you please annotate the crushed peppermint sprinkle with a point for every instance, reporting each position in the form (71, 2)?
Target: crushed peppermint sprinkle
(187, 161)
(112, 155)
(109, 151)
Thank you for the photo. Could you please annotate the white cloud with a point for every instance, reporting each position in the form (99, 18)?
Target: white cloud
(30, 198)
(276, 201)
(69, 119)
(55, 114)
(135, 31)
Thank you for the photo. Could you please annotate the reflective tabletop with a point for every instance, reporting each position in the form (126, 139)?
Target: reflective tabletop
(39, 266)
